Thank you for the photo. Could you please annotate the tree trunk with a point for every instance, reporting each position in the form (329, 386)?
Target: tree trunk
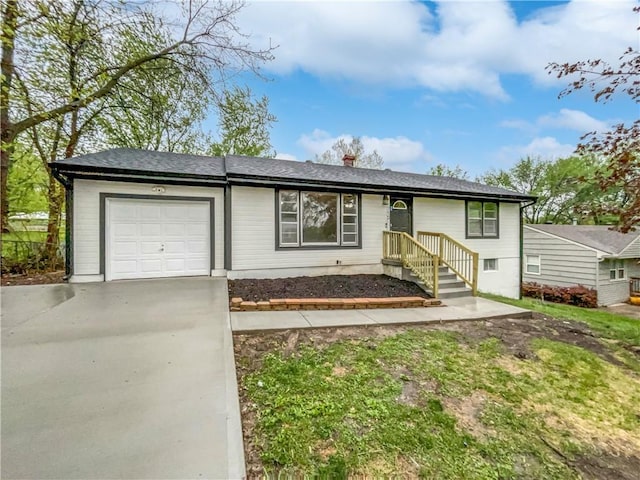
(8, 33)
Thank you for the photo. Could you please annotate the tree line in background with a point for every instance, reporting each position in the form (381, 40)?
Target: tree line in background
(81, 76)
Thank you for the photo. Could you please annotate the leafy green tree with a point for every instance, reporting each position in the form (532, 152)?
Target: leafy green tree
(87, 50)
(342, 147)
(157, 108)
(28, 183)
(619, 147)
(563, 194)
(443, 170)
(244, 124)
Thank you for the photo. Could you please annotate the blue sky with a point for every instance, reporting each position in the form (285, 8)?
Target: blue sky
(454, 82)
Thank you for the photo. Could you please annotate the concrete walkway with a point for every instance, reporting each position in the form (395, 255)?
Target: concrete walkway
(455, 309)
(119, 380)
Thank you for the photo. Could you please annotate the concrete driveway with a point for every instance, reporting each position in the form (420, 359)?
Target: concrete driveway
(130, 379)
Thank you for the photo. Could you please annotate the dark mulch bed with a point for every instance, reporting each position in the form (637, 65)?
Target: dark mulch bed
(327, 286)
(33, 278)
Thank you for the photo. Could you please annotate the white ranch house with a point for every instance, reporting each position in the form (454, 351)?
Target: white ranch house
(590, 255)
(143, 214)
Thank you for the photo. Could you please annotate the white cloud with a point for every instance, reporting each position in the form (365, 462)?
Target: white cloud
(456, 46)
(399, 153)
(544, 147)
(566, 118)
(573, 120)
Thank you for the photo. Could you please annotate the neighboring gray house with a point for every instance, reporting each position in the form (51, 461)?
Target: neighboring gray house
(590, 255)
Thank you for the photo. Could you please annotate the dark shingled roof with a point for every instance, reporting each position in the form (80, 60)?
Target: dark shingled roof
(130, 161)
(341, 175)
(600, 237)
(148, 161)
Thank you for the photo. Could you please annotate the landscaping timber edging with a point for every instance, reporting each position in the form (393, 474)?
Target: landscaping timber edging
(237, 304)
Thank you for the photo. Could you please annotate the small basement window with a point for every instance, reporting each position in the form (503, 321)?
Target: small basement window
(532, 263)
(490, 264)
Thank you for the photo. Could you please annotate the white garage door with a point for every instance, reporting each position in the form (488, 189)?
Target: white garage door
(156, 238)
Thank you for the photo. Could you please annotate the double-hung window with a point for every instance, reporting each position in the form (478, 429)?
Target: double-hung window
(616, 270)
(532, 264)
(308, 219)
(482, 219)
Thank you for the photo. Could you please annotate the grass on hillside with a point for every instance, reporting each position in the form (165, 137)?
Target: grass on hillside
(434, 404)
(609, 325)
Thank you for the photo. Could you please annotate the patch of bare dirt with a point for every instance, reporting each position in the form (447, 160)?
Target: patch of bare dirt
(327, 286)
(611, 467)
(32, 278)
(516, 334)
(467, 411)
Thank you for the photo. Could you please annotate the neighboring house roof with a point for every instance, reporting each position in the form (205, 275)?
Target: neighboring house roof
(252, 170)
(599, 237)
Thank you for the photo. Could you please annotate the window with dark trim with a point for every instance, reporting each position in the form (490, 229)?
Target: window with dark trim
(317, 219)
(482, 219)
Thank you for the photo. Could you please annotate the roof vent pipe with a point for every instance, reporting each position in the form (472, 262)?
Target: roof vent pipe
(348, 160)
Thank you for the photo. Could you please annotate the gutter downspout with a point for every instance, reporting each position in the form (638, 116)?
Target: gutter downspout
(68, 222)
(521, 273)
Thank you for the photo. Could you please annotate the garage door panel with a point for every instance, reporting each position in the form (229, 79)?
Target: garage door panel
(125, 249)
(150, 230)
(124, 267)
(149, 212)
(153, 247)
(125, 229)
(176, 212)
(175, 265)
(158, 238)
(197, 230)
(174, 229)
(199, 213)
(172, 247)
(151, 265)
(195, 265)
(123, 211)
(200, 247)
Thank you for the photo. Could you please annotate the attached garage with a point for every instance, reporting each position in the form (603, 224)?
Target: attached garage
(147, 237)
(134, 214)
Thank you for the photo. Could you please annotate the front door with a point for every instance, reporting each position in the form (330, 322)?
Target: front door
(400, 216)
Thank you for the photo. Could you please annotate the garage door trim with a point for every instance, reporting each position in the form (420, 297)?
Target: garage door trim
(103, 203)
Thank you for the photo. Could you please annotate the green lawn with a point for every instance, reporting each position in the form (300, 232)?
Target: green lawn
(608, 325)
(437, 404)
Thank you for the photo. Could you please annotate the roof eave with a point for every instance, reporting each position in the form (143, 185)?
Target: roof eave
(84, 170)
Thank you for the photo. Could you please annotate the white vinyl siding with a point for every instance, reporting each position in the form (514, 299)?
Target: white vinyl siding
(86, 218)
(448, 216)
(254, 240)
